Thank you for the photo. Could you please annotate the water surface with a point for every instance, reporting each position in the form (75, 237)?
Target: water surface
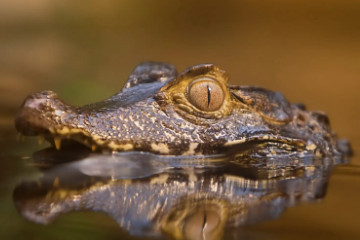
(144, 195)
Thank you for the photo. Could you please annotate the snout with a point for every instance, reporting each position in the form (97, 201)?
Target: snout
(36, 114)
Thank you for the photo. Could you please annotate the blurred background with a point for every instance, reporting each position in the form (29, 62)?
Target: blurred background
(85, 50)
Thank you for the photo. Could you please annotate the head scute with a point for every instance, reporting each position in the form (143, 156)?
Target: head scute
(204, 70)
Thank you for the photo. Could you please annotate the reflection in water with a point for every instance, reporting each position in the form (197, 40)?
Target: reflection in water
(186, 198)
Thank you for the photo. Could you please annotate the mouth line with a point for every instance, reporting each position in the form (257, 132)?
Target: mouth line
(263, 138)
(66, 136)
(59, 139)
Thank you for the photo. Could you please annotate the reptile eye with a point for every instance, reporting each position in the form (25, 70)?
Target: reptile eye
(201, 225)
(206, 94)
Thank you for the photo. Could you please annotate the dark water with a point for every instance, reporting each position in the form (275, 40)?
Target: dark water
(308, 50)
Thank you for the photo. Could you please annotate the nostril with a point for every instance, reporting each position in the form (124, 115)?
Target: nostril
(36, 100)
(34, 103)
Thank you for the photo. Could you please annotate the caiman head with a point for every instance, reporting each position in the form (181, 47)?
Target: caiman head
(194, 112)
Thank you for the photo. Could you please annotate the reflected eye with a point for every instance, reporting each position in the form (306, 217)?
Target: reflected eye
(206, 94)
(201, 225)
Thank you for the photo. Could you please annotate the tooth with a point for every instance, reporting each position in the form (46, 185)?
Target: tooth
(57, 142)
(41, 139)
(93, 148)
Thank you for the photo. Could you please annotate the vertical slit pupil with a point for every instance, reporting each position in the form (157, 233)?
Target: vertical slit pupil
(204, 220)
(209, 95)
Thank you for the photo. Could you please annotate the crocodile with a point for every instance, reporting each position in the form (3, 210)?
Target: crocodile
(194, 112)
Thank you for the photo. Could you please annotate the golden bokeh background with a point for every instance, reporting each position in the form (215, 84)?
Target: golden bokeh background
(85, 50)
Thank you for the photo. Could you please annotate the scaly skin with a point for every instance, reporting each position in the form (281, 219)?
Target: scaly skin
(155, 112)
